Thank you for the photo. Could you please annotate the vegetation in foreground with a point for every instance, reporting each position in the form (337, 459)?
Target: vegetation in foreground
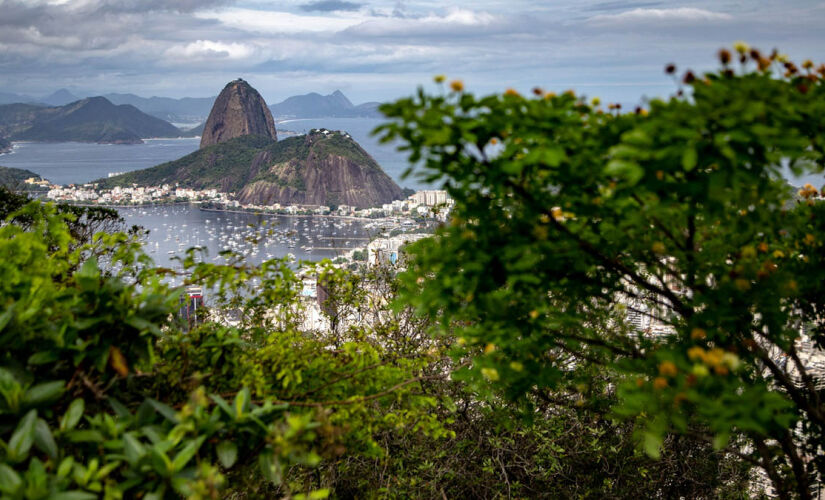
(501, 363)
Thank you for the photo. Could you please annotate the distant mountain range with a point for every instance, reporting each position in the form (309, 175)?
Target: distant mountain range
(94, 119)
(314, 105)
(196, 109)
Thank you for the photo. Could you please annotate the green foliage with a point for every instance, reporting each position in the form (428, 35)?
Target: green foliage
(103, 393)
(570, 220)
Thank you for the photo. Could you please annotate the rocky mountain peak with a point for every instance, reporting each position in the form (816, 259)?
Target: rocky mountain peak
(239, 110)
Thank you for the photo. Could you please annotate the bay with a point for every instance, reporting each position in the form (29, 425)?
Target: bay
(78, 162)
(175, 228)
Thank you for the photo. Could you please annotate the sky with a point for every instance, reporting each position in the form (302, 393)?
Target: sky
(378, 50)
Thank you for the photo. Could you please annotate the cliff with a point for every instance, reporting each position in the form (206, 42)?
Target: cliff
(239, 110)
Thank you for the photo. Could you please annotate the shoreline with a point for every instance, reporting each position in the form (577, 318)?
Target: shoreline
(350, 217)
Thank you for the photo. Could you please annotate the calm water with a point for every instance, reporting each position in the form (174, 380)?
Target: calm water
(77, 162)
(175, 228)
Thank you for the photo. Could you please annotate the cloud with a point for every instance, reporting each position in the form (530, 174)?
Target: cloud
(207, 49)
(330, 6)
(278, 22)
(642, 15)
(454, 22)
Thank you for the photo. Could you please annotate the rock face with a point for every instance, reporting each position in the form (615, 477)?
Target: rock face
(238, 110)
(320, 168)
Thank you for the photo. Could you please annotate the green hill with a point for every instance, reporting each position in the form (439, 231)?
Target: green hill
(13, 178)
(89, 120)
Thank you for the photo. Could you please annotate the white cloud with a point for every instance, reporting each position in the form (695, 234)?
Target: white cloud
(275, 22)
(454, 21)
(681, 14)
(207, 49)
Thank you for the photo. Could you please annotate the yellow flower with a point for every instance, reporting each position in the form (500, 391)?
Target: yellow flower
(695, 353)
(595, 101)
(489, 348)
(714, 356)
(534, 314)
(700, 370)
(557, 213)
(659, 382)
(741, 47)
(549, 95)
(512, 93)
(810, 239)
(439, 78)
(457, 85)
(516, 366)
(763, 247)
(731, 360)
(658, 247)
(667, 369)
(748, 252)
(490, 374)
(808, 64)
(777, 254)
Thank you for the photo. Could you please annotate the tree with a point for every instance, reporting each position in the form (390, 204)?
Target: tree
(573, 225)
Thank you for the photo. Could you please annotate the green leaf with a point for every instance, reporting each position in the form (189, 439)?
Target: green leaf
(185, 455)
(23, 438)
(222, 404)
(65, 467)
(242, 400)
(689, 158)
(43, 393)
(227, 453)
(164, 409)
(720, 440)
(629, 171)
(9, 480)
(72, 416)
(44, 439)
(652, 444)
(133, 449)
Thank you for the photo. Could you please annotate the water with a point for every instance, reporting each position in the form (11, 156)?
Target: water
(77, 162)
(175, 228)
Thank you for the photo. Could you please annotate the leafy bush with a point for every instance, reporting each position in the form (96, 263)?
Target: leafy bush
(572, 220)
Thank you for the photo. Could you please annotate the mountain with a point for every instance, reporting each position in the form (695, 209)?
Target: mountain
(59, 98)
(314, 105)
(13, 178)
(89, 120)
(5, 146)
(8, 98)
(321, 168)
(239, 110)
(185, 110)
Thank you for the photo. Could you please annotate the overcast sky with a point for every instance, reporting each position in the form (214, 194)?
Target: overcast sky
(381, 49)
